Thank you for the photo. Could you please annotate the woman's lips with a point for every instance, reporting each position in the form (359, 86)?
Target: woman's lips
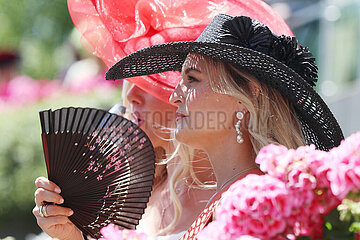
(180, 116)
(137, 118)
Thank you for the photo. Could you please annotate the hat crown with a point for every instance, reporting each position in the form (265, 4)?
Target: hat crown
(242, 31)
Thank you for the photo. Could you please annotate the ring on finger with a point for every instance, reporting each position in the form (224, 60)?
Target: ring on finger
(44, 210)
(41, 210)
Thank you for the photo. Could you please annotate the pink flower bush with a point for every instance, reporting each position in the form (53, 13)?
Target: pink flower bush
(305, 173)
(112, 232)
(23, 90)
(304, 170)
(345, 176)
(301, 188)
(258, 213)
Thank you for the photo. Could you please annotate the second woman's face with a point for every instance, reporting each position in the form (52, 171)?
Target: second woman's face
(203, 115)
(151, 114)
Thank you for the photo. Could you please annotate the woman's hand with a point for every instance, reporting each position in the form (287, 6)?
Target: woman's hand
(54, 219)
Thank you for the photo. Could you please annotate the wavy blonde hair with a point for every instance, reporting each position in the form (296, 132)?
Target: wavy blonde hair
(272, 117)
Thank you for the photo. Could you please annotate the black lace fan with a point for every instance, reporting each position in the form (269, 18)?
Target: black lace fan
(103, 163)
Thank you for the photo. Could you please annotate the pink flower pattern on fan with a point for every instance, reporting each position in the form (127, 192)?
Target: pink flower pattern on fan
(112, 232)
(99, 178)
(108, 166)
(113, 159)
(135, 139)
(112, 135)
(143, 140)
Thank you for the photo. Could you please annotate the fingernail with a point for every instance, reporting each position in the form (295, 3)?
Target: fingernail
(57, 190)
(71, 212)
(61, 200)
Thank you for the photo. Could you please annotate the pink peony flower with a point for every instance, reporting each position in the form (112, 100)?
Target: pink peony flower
(304, 170)
(345, 174)
(261, 212)
(112, 232)
(302, 186)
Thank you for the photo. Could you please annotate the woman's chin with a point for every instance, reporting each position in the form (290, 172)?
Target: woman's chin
(186, 136)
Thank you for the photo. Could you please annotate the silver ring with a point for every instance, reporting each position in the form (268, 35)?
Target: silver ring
(43, 210)
(40, 211)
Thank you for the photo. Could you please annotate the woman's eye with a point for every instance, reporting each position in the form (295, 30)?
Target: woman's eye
(192, 79)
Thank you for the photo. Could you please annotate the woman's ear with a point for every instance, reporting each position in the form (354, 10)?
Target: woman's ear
(240, 107)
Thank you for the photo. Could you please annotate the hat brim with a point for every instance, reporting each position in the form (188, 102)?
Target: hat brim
(319, 125)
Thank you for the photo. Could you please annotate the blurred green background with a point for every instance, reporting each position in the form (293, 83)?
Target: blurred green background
(43, 34)
(38, 29)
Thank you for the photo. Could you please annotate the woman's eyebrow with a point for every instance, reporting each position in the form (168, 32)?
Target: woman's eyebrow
(191, 68)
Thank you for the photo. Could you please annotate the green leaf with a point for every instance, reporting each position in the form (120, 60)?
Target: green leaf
(335, 229)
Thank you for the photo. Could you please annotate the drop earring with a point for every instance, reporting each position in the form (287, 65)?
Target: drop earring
(240, 116)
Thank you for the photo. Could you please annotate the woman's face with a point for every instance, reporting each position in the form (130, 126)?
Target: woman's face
(151, 114)
(203, 115)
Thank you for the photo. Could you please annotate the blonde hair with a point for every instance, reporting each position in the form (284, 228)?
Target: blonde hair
(272, 117)
(182, 171)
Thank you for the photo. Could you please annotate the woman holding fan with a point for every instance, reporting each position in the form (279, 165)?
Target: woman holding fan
(147, 93)
(260, 83)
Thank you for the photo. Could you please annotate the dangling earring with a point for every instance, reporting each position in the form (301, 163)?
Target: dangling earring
(240, 116)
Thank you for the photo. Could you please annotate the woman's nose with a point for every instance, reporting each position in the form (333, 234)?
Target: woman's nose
(176, 97)
(134, 95)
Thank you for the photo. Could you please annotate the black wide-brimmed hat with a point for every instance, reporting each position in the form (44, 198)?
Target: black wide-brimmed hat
(250, 46)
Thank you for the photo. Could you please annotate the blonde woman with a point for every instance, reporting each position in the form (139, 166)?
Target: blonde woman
(259, 83)
(175, 201)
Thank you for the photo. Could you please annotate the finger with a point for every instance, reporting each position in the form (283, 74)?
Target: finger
(42, 182)
(46, 223)
(42, 195)
(54, 210)
(36, 212)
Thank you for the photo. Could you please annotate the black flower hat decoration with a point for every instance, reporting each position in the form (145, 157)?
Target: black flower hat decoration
(248, 33)
(278, 61)
(242, 31)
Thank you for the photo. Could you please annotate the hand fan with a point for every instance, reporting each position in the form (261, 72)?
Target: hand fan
(103, 163)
